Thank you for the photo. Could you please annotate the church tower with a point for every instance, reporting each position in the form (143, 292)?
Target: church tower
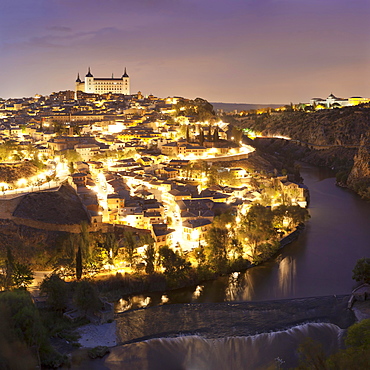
(126, 83)
(79, 84)
(89, 82)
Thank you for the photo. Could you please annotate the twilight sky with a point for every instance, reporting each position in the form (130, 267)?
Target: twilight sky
(245, 51)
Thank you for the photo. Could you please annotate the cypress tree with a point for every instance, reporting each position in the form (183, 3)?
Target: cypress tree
(188, 133)
(78, 263)
(201, 137)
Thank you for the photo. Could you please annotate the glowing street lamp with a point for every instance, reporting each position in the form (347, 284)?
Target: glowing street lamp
(22, 183)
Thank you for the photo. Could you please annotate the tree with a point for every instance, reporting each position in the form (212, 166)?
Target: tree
(22, 275)
(356, 355)
(21, 329)
(79, 263)
(85, 242)
(72, 155)
(361, 271)
(149, 258)
(56, 290)
(216, 250)
(86, 298)
(130, 245)
(171, 261)
(150, 252)
(17, 275)
(215, 134)
(71, 168)
(188, 133)
(110, 244)
(256, 227)
(201, 136)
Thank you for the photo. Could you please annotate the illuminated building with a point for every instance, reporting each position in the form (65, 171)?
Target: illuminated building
(332, 100)
(94, 85)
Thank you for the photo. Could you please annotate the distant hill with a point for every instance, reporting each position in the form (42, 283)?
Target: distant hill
(228, 107)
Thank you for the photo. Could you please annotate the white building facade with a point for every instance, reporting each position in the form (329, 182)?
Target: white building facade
(94, 85)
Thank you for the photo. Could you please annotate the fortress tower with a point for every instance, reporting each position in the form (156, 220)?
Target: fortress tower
(104, 85)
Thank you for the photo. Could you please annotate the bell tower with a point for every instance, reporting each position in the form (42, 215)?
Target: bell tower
(89, 82)
(126, 83)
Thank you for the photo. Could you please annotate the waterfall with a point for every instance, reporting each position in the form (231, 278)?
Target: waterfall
(194, 352)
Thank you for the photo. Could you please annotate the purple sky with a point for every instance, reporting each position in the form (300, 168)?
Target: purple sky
(247, 51)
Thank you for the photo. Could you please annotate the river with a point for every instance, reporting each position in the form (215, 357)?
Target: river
(318, 263)
(175, 332)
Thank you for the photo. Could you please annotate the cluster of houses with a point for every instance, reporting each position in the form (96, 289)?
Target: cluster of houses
(133, 164)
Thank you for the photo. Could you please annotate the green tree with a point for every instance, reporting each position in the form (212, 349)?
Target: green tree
(201, 136)
(215, 134)
(311, 355)
(23, 326)
(130, 247)
(188, 139)
(86, 243)
(86, 297)
(71, 155)
(79, 263)
(57, 292)
(172, 262)
(361, 271)
(296, 215)
(71, 167)
(355, 355)
(216, 250)
(110, 244)
(256, 228)
(17, 275)
(149, 258)
(22, 275)
(358, 335)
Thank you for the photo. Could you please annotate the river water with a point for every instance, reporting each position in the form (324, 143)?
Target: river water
(319, 263)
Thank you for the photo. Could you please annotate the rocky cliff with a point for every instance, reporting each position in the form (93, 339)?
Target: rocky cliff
(333, 138)
(62, 207)
(359, 177)
(325, 127)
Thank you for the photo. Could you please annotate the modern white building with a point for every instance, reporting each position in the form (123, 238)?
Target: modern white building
(97, 85)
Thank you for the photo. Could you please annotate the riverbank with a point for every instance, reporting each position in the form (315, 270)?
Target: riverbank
(121, 287)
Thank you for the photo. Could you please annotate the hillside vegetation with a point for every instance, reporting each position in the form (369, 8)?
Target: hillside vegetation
(324, 127)
(340, 137)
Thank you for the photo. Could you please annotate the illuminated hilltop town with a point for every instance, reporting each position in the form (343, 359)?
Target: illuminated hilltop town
(165, 167)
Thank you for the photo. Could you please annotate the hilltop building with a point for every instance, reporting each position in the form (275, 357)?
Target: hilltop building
(332, 101)
(95, 85)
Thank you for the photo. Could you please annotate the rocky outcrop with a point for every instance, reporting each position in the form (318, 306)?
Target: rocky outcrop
(11, 172)
(341, 127)
(62, 207)
(359, 177)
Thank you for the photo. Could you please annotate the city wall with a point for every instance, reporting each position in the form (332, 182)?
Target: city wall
(228, 158)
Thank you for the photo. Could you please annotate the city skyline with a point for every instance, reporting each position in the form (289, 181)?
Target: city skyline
(265, 52)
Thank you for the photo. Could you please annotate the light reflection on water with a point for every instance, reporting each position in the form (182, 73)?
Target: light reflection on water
(197, 292)
(140, 301)
(287, 273)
